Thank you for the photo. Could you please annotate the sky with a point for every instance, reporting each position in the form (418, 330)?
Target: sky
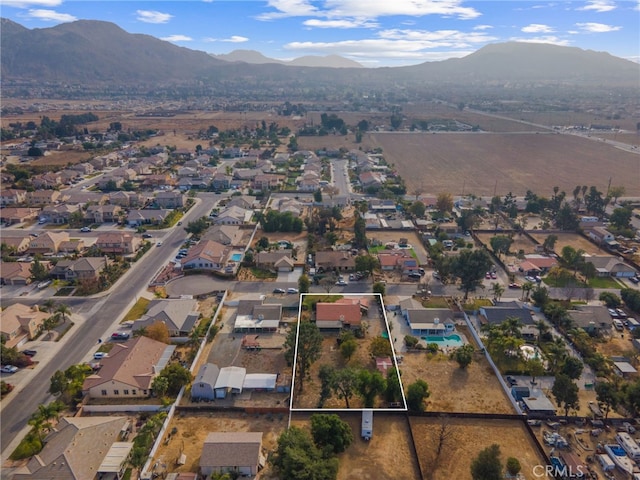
(375, 33)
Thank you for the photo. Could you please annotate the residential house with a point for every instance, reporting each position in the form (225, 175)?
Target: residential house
(118, 243)
(110, 182)
(75, 245)
(246, 202)
(19, 244)
(180, 316)
(543, 263)
(13, 215)
(221, 181)
(12, 196)
(82, 269)
(392, 260)
(92, 198)
(148, 216)
(47, 180)
(502, 311)
(20, 323)
(84, 168)
(308, 182)
(430, 321)
(103, 213)
(343, 313)
(15, 273)
(238, 453)
(186, 171)
(623, 368)
(593, 319)
(159, 180)
(43, 197)
(246, 174)
(327, 261)
(206, 255)
(202, 388)
(278, 260)
(371, 179)
(129, 369)
(142, 168)
(126, 199)
(268, 181)
(48, 242)
(224, 234)
(233, 216)
(59, 214)
(382, 206)
(81, 448)
(607, 266)
(286, 204)
(281, 158)
(255, 316)
(199, 182)
(127, 174)
(601, 235)
(169, 199)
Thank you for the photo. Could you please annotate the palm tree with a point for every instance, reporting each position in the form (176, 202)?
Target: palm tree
(526, 290)
(49, 305)
(63, 310)
(497, 290)
(511, 327)
(542, 327)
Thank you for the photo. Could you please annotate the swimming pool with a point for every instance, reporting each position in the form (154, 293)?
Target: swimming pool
(236, 257)
(453, 340)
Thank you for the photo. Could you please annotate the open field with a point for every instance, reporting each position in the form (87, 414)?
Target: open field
(192, 430)
(572, 239)
(467, 437)
(520, 242)
(388, 455)
(472, 390)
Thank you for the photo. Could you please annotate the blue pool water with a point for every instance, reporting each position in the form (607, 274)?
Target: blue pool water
(453, 340)
(236, 257)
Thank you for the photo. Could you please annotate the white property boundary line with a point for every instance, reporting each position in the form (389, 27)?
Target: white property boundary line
(377, 297)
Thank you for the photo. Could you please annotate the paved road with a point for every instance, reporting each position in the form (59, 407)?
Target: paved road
(102, 316)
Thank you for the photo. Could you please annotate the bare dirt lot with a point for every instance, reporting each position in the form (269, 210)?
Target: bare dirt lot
(412, 238)
(467, 437)
(520, 242)
(572, 239)
(473, 390)
(192, 430)
(388, 455)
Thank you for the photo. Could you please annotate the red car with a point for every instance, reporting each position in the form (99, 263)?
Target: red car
(515, 285)
(488, 276)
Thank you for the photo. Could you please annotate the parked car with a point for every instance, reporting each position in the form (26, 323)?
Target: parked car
(511, 381)
(635, 280)
(612, 312)
(621, 313)
(44, 284)
(278, 290)
(494, 275)
(487, 275)
(515, 285)
(30, 353)
(147, 235)
(99, 355)
(159, 244)
(292, 290)
(9, 369)
(120, 335)
(85, 229)
(341, 283)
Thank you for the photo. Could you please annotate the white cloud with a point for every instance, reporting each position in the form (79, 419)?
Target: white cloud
(599, 6)
(177, 38)
(152, 16)
(235, 39)
(369, 10)
(552, 39)
(231, 39)
(483, 27)
(314, 22)
(537, 28)
(51, 16)
(593, 27)
(31, 3)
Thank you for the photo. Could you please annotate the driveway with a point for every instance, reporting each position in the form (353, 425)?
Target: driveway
(195, 285)
(290, 277)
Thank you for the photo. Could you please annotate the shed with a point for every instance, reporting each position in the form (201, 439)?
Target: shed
(519, 392)
(260, 381)
(367, 424)
(537, 404)
(203, 386)
(575, 468)
(624, 369)
(230, 380)
(239, 452)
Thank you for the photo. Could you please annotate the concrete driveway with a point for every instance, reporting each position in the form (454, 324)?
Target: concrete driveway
(290, 277)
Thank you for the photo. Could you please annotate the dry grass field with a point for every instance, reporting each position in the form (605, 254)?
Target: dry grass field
(467, 437)
(472, 390)
(572, 239)
(520, 242)
(388, 455)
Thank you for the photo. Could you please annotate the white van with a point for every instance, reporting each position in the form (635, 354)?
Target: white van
(618, 325)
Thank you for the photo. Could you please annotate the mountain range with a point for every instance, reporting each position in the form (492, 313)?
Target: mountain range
(102, 53)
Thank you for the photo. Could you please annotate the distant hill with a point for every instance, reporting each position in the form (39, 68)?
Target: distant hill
(256, 58)
(101, 53)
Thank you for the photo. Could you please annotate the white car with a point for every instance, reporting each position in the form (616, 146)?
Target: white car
(9, 369)
(292, 290)
(85, 229)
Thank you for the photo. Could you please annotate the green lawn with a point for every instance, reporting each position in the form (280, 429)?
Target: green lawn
(436, 302)
(604, 282)
(139, 309)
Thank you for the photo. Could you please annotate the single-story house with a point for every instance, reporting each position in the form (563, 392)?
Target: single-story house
(279, 260)
(15, 273)
(253, 316)
(180, 316)
(601, 235)
(430, 321)
(81, 447)
(136, 218)
(543, 263)
(202, 388)
(233, 216)
(607, 266)
(538, 405)
(343, 313)
(593, 319)
(624, 369)
(330, 260)
(233, 452)
(224, 234)
(129, 369)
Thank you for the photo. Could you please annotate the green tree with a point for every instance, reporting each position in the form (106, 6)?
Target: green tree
(197, 227)
(631, 298)
(566, 393)
(296, 456)
(616, 192)
(344, 384)
(572, 368)
(417, 393)
(608, 396)
(621, 218)
(38, 271)
(463, 355)
(444, 203)
(470, 267)
(63, 310)
(330, 433)
(417, 209)
(393, 391)
(309, 348)
(487, 465)
(366, 263)
(513, 466)
(497, 289)
(379, 287)
(348, 347)
(177, 376)
(304, 283)
(380, 347)
(160, 386)
(370, 385)
(359, 232)
(263, 243)
(549, 243)
(535, 368)
(500, 244)
(572, 258)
